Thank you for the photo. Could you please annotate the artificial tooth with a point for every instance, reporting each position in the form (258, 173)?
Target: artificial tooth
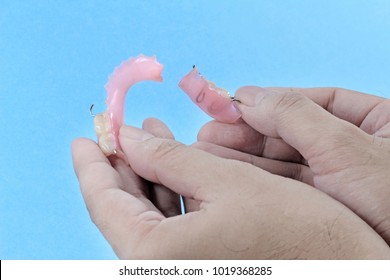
(102, 124)
(107, 143)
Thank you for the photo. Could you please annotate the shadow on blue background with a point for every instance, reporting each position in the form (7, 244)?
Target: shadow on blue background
(55, 57)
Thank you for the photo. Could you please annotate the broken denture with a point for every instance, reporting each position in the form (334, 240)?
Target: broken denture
(216, 102)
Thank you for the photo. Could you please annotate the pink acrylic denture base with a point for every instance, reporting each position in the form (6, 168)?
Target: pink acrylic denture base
(209, 98)
(124, 76)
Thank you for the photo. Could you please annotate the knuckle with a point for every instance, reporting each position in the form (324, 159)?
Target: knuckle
(289, 101)
(167, 150)
(347, 136)
(296, 172)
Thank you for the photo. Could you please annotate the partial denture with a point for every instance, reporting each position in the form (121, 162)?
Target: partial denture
(215, 101)
(108, 123)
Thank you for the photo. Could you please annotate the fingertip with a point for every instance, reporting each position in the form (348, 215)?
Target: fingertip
(125, 130)
(213, 131)
(84, 151)
(158, 128)
(249, 95)
(80, 143)
(75, 142)
(76, 145)
(205, 132)
(151, 121)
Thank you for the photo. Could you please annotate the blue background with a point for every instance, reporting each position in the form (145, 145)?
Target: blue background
(55, 57)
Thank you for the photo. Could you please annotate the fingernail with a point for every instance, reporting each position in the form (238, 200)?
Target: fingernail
(250, 95)
(236, 105)
(134, 133)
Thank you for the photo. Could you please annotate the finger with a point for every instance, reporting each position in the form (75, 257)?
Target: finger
(183, 169)
(337, 101)
(244, 138)
(96, 174)
(236, 136)
(89, 159)
(114, 211)
(157, 128)
(167, 201)
(191, 205)
(384, 131)
(131, 182)
(296, 119)
(295, 171)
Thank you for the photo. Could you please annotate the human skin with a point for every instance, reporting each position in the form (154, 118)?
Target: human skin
(244, 212)
(336, 140)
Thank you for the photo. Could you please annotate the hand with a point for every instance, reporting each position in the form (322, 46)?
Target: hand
(244, 212)
(336, 140)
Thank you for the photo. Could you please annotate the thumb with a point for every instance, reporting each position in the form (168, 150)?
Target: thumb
(296, 119)
(185, 170)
